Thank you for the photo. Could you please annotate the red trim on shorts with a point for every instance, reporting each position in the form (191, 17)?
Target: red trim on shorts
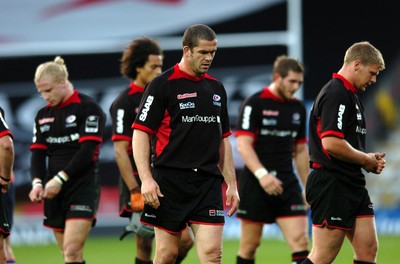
(53, 228)
(159, 227)
(325, 224)
(365, 216)
(204, 223)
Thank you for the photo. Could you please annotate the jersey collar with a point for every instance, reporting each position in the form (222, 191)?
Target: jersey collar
(135, 89)
(179, 74)
(74, 98)
(346, 83)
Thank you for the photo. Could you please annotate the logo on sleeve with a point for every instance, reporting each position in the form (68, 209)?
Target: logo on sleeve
(340, 116)
(92, 124)
(146, 108)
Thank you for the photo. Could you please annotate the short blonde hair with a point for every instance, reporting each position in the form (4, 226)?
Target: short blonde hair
(56, 69)
(366, 53)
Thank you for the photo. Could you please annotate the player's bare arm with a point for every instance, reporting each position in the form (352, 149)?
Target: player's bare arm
(228, 171)
(141, 153)
(342, 150)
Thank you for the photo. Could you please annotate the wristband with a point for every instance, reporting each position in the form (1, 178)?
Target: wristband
(37, 182)
(60, 178)
(135, 190)
(260, 173)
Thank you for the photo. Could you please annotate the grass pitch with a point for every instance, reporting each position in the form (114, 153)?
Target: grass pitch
(106, 250)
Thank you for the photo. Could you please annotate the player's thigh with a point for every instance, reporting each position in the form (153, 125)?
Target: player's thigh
(326, 243)
(76, 231)
(295, 231)
(363, 236)
(208, 238)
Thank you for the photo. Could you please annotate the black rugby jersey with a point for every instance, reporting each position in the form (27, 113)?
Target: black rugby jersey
(60, 129)
(189, 117)
(4, 129)
(123, 112)
(338, 112)
(276, 126)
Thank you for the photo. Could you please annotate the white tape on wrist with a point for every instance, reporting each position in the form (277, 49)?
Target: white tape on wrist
(260, 173)
(37, 182)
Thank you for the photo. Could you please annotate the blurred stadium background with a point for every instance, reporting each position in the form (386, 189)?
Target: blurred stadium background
(91, 35)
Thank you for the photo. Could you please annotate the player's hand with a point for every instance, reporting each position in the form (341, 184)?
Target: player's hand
(271, 185)
(381, 162)
(137, 201)
(375, 162)
(151, 191)
(232, 199)
(52, 188)
(35, 195)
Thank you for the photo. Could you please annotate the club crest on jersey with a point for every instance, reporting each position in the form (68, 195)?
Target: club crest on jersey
(216, 100)
(70, 121)
(92, 124)
(296, 118)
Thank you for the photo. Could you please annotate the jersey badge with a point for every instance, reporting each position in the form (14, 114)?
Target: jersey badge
(92, 124)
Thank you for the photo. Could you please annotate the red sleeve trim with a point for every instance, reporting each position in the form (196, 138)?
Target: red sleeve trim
(6, 133)
(38, 146)
(121, 138)
(244, 133)
(142, 128)
(227, 134)
(301, 140)
(332, 133)
(93, 138)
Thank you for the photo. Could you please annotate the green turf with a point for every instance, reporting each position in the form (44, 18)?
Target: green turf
(109, 250)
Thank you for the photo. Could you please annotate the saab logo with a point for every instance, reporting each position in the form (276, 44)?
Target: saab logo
(246, 117)
(187, 105)
(146, 108)
(120, 121)
(70, 119)
(340, 116)
(186, 95)
(216, 100)
(46, 120)
(92, 124)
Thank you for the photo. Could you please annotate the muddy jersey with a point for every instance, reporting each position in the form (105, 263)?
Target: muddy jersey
(189, 117)
(337, 112)
(61, 129)
(276, 126)
(123, 113)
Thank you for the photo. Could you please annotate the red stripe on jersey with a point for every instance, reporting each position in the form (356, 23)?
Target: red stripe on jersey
(301, 140)
(163, 134)
(38, 146)
(346, 83)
